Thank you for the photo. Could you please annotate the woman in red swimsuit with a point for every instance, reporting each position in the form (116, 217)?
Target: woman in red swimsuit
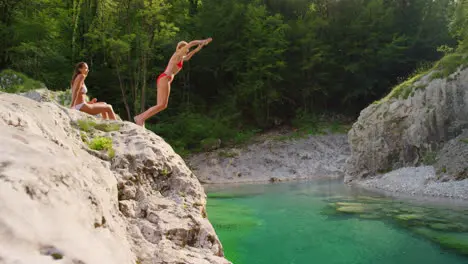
(164, 80)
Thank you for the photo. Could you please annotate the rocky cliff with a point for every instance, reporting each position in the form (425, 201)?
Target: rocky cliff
(74, 189)
(419, 122)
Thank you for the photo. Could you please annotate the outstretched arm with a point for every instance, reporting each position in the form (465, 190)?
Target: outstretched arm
(199, 42)
(191, 53)
(194, 43)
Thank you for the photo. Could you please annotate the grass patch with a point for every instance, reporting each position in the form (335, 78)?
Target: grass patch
(442, 69)
(449, 64)
(227, 154)
(102, 143)
(443, 170)
(337, 127)
(164, 172)
(111, 153)
(465, 140)
(210, 143)
(107, 127)
(429, 158)
(404, 89)
(243, 136)
(88, 125)
(84, 137)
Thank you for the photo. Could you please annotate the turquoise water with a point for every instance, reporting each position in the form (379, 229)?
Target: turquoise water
(291, 223)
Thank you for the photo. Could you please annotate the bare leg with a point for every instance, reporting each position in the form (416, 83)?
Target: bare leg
(164, 89)
(104, 115)
(103, 109)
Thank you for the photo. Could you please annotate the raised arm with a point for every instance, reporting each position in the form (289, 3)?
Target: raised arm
(197, 49)
(198, 42)
(191, 53)
(194, 43)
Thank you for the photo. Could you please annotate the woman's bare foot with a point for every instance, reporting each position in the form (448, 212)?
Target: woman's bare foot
(139, 121)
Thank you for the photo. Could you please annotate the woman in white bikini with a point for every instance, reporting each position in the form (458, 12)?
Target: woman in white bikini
(79, 91)
(163, 83)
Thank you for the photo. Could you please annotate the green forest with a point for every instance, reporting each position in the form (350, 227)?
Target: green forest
(271, 63)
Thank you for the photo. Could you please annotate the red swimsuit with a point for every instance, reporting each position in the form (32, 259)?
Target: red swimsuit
(179, 65)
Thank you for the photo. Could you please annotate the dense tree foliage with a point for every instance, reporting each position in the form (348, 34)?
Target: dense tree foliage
(271, 61)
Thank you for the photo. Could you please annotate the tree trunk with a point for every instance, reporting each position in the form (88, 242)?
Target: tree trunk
(124, 96)
(143, 82)
(76, 16)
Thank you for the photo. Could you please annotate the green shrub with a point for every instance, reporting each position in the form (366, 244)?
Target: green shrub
(306, 123)
(102, 143)
(15, 82)
(64, 97)
(190, 132)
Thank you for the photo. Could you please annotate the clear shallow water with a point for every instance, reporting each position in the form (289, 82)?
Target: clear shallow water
(291, 223)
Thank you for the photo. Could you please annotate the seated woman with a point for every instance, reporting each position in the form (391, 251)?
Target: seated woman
(79, 91)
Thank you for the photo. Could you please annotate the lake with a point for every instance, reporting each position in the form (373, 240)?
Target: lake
(325, 221)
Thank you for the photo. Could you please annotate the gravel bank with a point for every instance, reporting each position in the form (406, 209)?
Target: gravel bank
(417, 181)
(274, 160)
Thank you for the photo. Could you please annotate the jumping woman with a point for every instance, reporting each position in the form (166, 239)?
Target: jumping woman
(163, 83)
(79, 91)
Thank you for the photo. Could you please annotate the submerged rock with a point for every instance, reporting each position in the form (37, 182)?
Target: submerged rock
(439, 226)
(454, 241)
(370, 216)
(446, 226)
(351, 209)
(409, 217)
(138, 203)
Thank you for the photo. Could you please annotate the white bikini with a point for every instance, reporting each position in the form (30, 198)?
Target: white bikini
(84, 90)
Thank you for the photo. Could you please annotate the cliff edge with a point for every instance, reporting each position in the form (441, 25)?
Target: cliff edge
(75, 189)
